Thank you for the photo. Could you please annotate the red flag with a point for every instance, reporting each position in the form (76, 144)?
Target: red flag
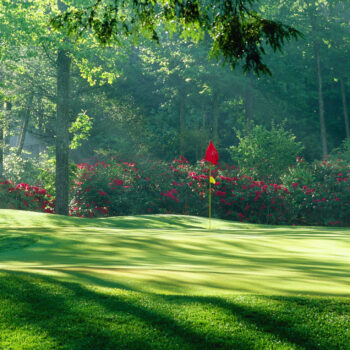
(211, 155)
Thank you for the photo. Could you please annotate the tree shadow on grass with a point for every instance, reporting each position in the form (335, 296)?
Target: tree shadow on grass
(16, 241)
(290, 318)
(78, 317)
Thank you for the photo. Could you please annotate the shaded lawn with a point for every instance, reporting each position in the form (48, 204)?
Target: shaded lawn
(43, 313)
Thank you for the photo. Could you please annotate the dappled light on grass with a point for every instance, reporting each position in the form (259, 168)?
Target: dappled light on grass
(177, 254)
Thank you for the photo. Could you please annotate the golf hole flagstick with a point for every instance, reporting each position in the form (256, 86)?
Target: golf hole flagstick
(211, 156)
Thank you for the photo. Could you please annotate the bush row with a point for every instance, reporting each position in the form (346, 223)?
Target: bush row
(317, 194)
(310, 194)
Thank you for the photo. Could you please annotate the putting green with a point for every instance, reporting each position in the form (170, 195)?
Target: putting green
(177, 254)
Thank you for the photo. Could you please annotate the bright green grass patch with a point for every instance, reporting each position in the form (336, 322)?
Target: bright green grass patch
(166, 282)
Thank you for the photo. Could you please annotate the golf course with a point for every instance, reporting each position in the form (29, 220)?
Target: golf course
(167, 282)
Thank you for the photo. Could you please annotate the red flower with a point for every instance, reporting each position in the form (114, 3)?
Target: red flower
(220, 193)
(118, 182)
(211, 154)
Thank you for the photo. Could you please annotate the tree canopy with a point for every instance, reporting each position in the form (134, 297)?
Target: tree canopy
(236, 32)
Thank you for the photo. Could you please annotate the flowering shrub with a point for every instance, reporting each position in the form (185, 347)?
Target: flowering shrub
(317, 194)
(25, 197)
(320, 192)
(119, 188)
(328, 201)
(311, 194)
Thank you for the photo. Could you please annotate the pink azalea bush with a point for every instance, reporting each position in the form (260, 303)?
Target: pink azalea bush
(317, 195)
(324, 198)
(25, 197)
(121, 188)
(310, 194)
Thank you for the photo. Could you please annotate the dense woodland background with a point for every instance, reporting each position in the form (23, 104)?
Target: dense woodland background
(167, 99)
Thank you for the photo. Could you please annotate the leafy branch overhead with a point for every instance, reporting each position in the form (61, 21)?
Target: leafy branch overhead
(80, 129)
(236, 32)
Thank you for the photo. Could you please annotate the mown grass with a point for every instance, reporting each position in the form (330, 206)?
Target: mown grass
(166, 282)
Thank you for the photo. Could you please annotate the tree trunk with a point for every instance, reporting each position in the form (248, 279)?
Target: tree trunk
(345, 107)
(320, 100)
(62, 126)
(313, 16)
(24, 126)
(5, 113)
(182, 122)
(204, 133)
(216, 114)
(2, 145)
(249, 100)
(6, 126)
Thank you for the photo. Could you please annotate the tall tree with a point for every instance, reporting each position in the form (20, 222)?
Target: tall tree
(25, 124)
(62, 126)
(313, 11)
(345, 106)
(2, 143)
(249, 99)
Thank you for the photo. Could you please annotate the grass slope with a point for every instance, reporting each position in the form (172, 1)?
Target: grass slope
(166, 282)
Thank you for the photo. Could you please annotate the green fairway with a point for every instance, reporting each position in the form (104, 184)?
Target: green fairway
(177, 254)
(167, 282)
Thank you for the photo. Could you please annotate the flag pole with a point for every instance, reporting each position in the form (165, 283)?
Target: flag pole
(210, 196)
(211, 156)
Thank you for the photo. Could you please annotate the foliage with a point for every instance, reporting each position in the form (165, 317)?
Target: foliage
(37, 171)
(20, 168)
(311, 194)
(25, 197)
(320, 197)
(236, 32)
(342, 152)
(80, 129)
(140, 109)
(119, 188)
(300, 172)
(265, 154)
